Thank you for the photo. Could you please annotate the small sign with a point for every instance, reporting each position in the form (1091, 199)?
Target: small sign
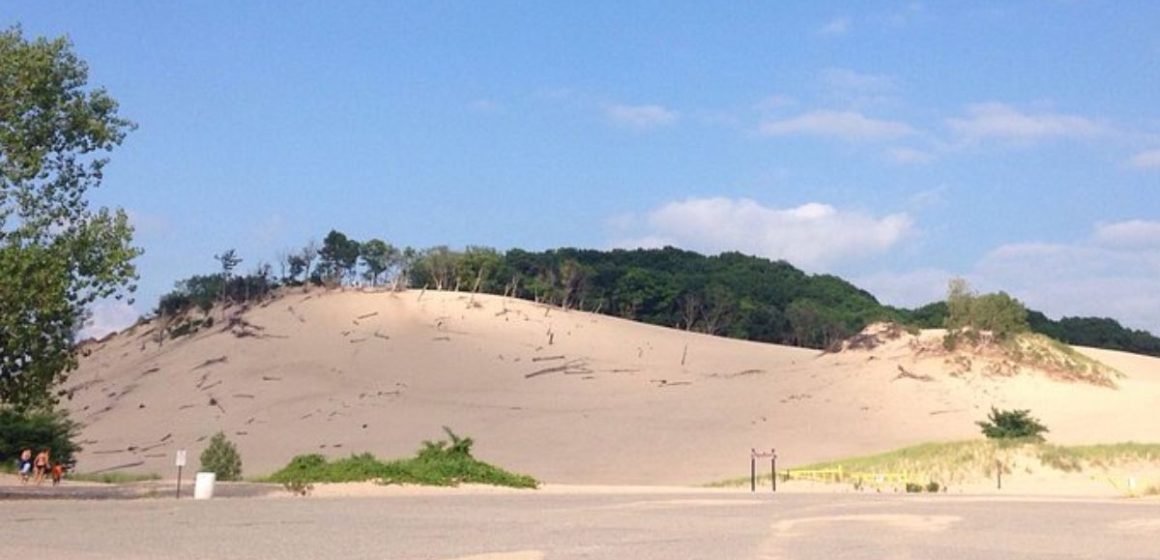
(181, 457)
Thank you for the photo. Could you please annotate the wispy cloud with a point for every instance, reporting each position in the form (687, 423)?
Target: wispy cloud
(812, 236)
(909, 156)
(851, 89)
(835, 27)
(1129, 234)
(641, 116)
(842, 78)
(1146, 160)
(844, 125)
(774, 102)
(1004, 122)
(1090, 278)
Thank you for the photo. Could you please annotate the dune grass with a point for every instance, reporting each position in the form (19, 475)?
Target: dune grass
(439, 463)
(961, 461)
(113, 477)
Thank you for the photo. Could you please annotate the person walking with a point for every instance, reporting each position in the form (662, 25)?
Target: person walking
(40, 466)
(25, 465)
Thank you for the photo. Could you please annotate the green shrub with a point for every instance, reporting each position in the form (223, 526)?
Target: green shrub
(932, 487)
(222, 458)
(36, 430)
(438, 463)
(1012, 424)
(913, 488)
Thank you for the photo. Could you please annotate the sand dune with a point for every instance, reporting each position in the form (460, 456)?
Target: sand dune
(564, 396)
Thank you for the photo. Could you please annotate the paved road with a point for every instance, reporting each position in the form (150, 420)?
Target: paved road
(726, 525)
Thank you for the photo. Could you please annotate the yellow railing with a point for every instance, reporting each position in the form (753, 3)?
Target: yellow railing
(839, 474)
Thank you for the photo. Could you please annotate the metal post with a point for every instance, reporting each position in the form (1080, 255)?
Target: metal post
(773, 467)
(178, 483)
(999, 474)
(753, 470)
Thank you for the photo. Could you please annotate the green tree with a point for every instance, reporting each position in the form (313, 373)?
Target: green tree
(57, 254)
(221, 458)
(229, 260)
(37, 429)
(1012, 424)
(378, 256)
(999, 314)
(338, 257)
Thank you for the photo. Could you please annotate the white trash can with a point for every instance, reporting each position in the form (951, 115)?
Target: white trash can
(203, 485)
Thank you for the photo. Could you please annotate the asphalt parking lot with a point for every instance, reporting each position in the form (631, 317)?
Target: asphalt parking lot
(637, 526)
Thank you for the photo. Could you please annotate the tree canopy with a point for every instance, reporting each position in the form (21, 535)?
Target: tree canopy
(730, 294)
(57, 254)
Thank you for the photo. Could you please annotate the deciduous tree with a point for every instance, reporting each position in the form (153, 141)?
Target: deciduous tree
(57, 254)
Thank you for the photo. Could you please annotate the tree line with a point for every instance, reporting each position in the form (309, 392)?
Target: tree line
(729, 294)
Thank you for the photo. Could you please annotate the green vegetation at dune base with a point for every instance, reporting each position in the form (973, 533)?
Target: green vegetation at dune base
(113, 477)
(966, 461)
(439, 463)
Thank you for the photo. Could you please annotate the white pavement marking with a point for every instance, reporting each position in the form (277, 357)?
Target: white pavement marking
(915, 523)
(1146, 525)
(515, 555)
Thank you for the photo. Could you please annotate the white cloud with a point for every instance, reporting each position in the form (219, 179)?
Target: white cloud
(1003, 122)
(1132, 233)
(842, 78)
(108, 316)
(640, 116)
(909, 155)
(844, 125)
(774, 102)
(811, 236)
(1111, 273)
(835, 27)
(850, 89)
(1081, 279)
(1146, 160)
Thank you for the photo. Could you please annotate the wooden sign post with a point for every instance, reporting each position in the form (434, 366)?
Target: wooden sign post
(180, 462)
(754, 454)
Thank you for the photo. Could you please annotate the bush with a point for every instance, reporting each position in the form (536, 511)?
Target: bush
(37, 430)
(932, 487)
(438, 463)
(913, 488)
(222, 458)
(1012, 424)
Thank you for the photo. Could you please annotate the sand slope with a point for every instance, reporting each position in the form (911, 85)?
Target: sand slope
(564, 396)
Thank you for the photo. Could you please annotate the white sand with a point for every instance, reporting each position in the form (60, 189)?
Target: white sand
(320, 379)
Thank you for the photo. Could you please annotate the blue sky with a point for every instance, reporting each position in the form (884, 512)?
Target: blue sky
(898, 144)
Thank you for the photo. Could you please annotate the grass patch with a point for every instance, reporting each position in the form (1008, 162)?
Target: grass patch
(439, 463)
(964, 461)
(1060, 360)
(113, 477)
(1109, 455)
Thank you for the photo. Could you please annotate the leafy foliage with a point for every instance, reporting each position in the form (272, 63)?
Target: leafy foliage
(1012, 424)
(969, 315)
(728, 294)
(337, 258)
(57, 255)
(222, 458)
(438, 463)
(36, 430)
